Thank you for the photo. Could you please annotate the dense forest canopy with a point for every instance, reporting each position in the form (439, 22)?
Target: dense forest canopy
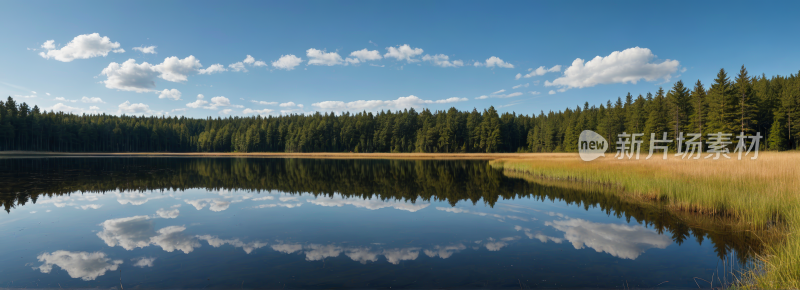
(770, 106)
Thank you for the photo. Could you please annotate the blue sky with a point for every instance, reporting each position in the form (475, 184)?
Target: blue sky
(656, 44)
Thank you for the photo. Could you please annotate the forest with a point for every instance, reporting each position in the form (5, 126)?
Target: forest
(769, 106)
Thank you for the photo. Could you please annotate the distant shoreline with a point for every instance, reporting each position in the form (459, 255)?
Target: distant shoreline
(316, 155)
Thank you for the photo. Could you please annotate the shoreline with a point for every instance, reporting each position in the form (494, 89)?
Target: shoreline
(314, 155)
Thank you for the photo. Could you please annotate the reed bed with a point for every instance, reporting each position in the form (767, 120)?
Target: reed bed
(760, 194)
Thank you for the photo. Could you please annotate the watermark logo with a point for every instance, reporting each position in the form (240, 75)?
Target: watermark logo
(591, 145)
(689, 146)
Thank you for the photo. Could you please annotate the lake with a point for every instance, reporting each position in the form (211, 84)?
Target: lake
(312, 223)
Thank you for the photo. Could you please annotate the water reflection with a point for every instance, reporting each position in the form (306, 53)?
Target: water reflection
(403, 215)
(83, 265)
(620, 241)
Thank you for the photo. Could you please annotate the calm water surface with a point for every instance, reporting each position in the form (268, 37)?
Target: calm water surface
(304, 223)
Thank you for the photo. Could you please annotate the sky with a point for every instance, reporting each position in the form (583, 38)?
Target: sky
(242, 58)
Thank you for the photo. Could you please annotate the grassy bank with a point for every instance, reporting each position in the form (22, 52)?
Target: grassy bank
(759, 194)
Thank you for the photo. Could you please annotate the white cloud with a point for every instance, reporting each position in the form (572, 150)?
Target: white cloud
(442, 60)
(541, 71)
(129, 232)
(287, 62)
(49, 45)
(395, 256)
(172, 238)
(288, 104)
(216, 242)
(221, 101)
(538, 236)
(92, 100)
(200, 96)
(65, 108)
(84, 265)
(197, 104)
(444, 252)
(47, 94)
(174, 69)
(173, 94)
(214, 68)
(622, 241)
(551, 92)
(81, 47)
(535, 93)
(374, 105)
(268, 197)
(498, 92)
(133, 109)
(521, 86)
(320, 57)
(168, 213)
(264, 102)
(143, 262)
(403, 52)
(237, 67)
(90, 206)
(249, 59)
(130, 76)
(371, 204)
(263, 112)
(518, 76)
(364, 55)
(287, 248)
(494, 61)
(483, 97)
(215, 205)
(146, 49)
(627, 66)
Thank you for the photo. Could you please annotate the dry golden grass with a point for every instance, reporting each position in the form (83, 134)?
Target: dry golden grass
(760, 193)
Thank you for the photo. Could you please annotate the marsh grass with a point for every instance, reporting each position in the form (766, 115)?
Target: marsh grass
(759, 195)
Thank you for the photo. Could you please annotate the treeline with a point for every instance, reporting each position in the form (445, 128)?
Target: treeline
(769, 106)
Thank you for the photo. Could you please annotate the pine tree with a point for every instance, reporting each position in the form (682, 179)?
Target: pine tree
(720, 105)
(699, 109)
(746, 103)
(680, 108)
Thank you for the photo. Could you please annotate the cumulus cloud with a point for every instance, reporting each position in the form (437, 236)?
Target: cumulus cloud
(168, 213)
(320, 57)
(197, 104)
(538, 236)
(84, 265)
(395, 256)
(130, 76)
(134, 109)
(216, 242)
(92, 100)
(221, 101)
(262, 112)
(174, 69)
(374, 105)
(520, 86)
(363, 55)
(442, 60)
(372, 204)
(214, 68)
(146, 49)
(287, 62)
(61, 107)
(129, 232)
(622, 241)
(172, 238)
(494, 61)
(172, 94)
(627, 66)
(551, 92)
(81, 47)
(215, 205)
(403, 52)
